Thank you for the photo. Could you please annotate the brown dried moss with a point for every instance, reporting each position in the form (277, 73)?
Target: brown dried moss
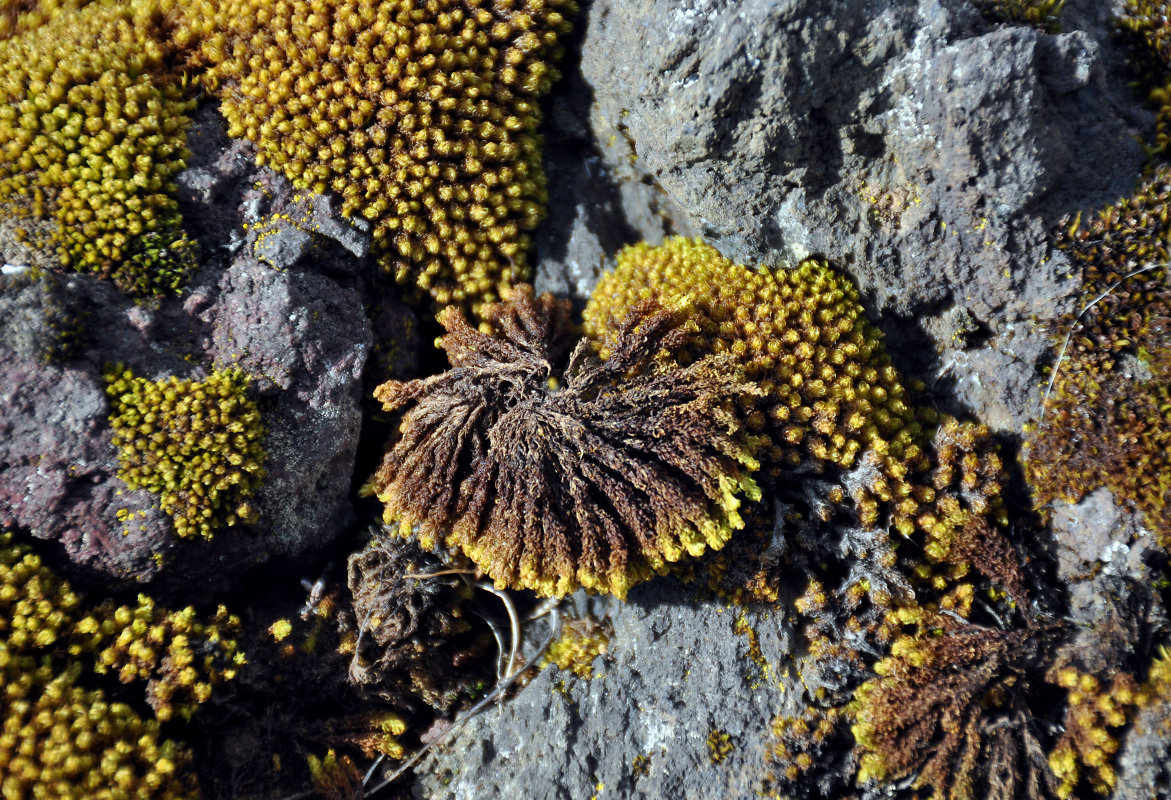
(598, 478)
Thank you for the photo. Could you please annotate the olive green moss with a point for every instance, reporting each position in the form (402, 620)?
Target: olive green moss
(1043, 14)
(1145, 27)
(422, 117)
(1107, 418)
(60, 735)
(195, 444)
(92, 121)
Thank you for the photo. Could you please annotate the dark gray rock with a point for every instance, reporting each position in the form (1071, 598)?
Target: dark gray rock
(305, 341)
(58, 470)
(676, 674)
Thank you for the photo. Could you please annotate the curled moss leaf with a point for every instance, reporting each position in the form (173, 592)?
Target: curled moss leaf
(598, 476)
(412, 633)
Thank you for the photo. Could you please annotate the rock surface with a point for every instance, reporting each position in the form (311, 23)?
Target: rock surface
(922, 149)
(679, 706)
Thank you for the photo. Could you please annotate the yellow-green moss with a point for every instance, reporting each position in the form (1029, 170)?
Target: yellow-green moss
(1145, 26)
(581, 641)
(92, 120)
(335, 777)
(196, 444)
(831, 392)
(18, 16)
(719, 745)
(1085, 751)
(1107, 421)
(62, 741)
(422, 116)
(59, 738)
(180, 656)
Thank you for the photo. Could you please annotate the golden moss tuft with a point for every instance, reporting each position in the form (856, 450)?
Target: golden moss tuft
(18, 16)
(61, 739)
(196, 444)
(335, 777)
(831, 393)
(422, 116)
(92, 120)
(180, 656)
(1085, 751)
(581, 641)
(1107, 421)
(719, 745)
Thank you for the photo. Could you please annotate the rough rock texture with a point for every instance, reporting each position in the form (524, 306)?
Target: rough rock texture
(676, 675)
(1144, 762)
(919, 147)
(299, 333)
(1096, 535)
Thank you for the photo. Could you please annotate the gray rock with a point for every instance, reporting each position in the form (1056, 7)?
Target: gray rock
(305, 341)
(1144, 762)
(676, 674)
(1096, 535)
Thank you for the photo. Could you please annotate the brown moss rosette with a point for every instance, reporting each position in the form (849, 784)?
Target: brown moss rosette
(599, 477)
